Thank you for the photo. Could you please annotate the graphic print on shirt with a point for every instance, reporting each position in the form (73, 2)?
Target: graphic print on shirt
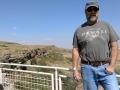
(93, 33)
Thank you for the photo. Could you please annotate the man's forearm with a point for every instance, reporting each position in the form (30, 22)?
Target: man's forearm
(114, 53)
(75, 57)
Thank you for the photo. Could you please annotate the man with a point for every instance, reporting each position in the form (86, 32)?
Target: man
(96, 43)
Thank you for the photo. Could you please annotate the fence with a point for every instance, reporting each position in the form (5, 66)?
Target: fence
(34, 79)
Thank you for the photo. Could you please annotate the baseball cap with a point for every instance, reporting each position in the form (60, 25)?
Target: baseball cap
(91, 3)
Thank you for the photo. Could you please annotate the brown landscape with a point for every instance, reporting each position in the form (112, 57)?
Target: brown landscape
(50, 55)
(14, 52)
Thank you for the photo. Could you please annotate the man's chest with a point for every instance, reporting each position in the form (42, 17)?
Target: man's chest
(91, 34)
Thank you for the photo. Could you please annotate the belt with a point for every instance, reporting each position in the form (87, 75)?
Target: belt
(95, 63)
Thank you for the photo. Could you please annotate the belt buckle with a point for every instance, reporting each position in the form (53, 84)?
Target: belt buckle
(91, 63)
(95, 64)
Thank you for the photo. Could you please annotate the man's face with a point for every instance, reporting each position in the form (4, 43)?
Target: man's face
(92, 13)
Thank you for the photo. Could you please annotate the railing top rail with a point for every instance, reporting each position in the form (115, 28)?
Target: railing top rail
(44, 73)
(37, 66)
(118, 75)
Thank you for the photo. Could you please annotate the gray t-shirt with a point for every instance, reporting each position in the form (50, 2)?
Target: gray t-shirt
(94, 41)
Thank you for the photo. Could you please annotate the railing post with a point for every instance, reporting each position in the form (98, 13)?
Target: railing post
(60, 83)
(0, 76)
(56, 78)
(52, 81)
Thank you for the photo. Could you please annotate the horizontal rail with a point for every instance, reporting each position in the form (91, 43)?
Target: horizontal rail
(36, 66)
(117, 75)
(39, 66)
(43, 73)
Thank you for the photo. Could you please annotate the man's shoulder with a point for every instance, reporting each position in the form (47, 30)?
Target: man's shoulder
(103, 22)
(82, 25)
(79, 28)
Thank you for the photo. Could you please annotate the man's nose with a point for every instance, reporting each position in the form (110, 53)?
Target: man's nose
(93, 11)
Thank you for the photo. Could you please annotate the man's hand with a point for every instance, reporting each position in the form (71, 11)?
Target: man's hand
(76, 75)
(109, 69)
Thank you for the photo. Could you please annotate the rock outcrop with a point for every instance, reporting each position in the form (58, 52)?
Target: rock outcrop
(24, 56)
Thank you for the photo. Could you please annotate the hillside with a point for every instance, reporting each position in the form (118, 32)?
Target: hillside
(37, 54)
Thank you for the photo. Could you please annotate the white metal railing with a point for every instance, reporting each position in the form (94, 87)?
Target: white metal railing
(56, 69)
(27, 80)
(37, 80)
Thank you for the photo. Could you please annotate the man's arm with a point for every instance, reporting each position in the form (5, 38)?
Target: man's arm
(114, 53)
(75, 58)
(113, 57)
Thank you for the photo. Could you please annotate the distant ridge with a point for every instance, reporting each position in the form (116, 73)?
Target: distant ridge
(5, 42)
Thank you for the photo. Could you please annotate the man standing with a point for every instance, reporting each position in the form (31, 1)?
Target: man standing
(95, 42)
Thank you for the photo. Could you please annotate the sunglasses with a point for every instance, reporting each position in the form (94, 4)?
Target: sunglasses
(93, 9)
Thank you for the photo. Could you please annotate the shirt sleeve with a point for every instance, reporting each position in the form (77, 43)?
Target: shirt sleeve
(75, 40)
(113, 35)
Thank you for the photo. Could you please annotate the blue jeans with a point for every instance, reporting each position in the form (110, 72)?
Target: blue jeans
(92, 76)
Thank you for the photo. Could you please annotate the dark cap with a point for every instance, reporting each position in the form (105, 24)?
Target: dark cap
(91, 3)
